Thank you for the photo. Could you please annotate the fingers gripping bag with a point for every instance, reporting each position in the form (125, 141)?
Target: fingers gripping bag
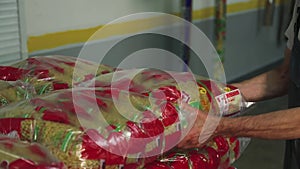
(39, 75)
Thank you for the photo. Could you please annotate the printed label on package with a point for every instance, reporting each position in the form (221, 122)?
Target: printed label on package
(229, 102)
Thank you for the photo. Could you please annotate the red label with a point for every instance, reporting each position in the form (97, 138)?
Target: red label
(233, 93)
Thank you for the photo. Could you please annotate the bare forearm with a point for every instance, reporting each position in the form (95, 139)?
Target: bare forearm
(267, 85)
(284, 124)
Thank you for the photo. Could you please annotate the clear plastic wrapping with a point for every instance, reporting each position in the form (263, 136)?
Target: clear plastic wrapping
(217, 154)
(76, 149)
(17, 154)
(39, 75)
(71, 130)
(210, 96)
(130, 120)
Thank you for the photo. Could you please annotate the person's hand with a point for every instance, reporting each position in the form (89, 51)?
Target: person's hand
(202, 130)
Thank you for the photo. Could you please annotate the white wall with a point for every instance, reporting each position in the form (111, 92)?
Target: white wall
(246, 50)
(49, 16)
(46, 16)
(200, 4)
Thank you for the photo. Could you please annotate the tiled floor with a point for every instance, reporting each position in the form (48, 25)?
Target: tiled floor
(264, 154)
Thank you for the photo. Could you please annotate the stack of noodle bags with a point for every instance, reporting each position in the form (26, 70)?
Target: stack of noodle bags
(110, 119)
(40, 75)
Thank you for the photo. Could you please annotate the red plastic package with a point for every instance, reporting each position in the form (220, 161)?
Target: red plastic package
(39, 75)
(126, 122)
(16, 154)
(68, 123)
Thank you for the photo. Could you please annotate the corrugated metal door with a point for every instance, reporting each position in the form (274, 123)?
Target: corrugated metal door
(10, 34)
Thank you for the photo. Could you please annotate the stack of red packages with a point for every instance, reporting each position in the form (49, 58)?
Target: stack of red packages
(39, 75)
(16, 154)
(132, 119)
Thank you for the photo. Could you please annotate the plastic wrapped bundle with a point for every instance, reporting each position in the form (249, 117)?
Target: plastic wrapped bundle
(211, 96)
(83, 135)
(217, 154)
(77, 150)
(69, 144)
(127, 122)
(16, 154)
(44, 118)
(39, 75)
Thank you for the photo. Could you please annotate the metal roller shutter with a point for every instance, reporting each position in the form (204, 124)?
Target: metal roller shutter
(10, 34)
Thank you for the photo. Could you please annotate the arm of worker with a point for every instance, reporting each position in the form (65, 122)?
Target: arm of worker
(283, 124)
(276, 125)
(267, 85)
